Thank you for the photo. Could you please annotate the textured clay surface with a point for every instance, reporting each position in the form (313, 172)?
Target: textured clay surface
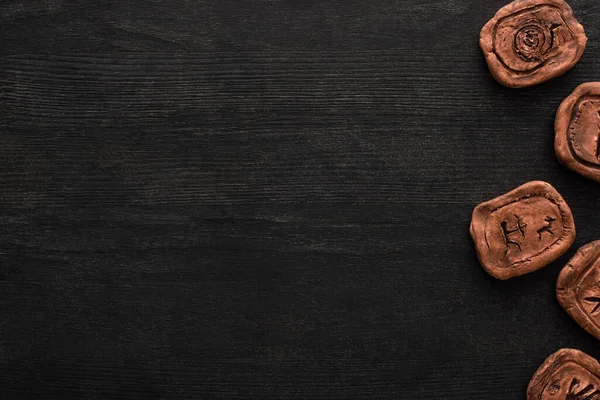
(577, 129)
(531, 41)
(578, 288)
(523, 230)
(567, 374)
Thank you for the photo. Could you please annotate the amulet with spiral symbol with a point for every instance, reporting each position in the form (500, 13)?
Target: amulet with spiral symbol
(531, 41)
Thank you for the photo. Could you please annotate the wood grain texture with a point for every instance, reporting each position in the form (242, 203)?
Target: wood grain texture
(269, 199)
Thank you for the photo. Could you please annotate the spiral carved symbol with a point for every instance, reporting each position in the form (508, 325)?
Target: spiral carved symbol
(533, 41)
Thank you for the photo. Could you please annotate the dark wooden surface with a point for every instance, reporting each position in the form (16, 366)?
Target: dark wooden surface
(269, 199)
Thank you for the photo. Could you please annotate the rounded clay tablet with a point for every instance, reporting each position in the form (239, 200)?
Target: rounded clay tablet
(522, 230)
(578, 288)
(577, 131)
(531, 41)
(567, 374)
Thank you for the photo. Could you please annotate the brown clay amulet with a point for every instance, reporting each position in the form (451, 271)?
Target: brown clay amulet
(577, 129)
(566, 375)
(522, 231)
(578, 288)
(532, 41)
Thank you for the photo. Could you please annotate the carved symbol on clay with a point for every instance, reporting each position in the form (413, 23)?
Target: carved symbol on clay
(509, 233)
(587, 393)
(594, 299)
(547, 227)
(534, 40)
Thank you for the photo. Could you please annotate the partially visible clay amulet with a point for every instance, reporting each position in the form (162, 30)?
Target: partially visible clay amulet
(577, 129)
(522, 231)
(566, 375)
(532, 41)
(578, 288)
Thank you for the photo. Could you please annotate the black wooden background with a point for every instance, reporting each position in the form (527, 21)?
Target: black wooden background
(217, 199)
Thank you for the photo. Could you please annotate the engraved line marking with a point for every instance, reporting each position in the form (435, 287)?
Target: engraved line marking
(593, 299)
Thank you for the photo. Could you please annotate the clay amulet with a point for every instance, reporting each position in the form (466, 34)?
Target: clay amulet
(565, 375)
(578, 288)
(531, 41)
(577, 131)
(522, 231)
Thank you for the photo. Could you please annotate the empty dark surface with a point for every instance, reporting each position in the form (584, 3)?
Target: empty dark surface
(269, 199)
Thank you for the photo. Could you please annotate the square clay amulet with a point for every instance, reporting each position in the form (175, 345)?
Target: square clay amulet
(577, 129)
(567, 374)
(531, 41)
(522, 230)
(578, 288)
